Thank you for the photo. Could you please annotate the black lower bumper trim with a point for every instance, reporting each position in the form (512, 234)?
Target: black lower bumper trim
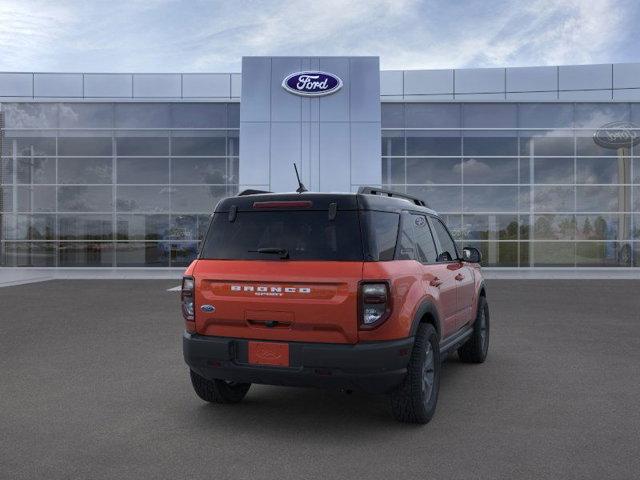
(375, 367)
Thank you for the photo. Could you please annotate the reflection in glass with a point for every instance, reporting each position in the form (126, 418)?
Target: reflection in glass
(30, 146)
(442, 199)
(392, 143)
(142, 146)
(603, 170)
(22, 254)
(554, 227)
(143, 199)
(85, 170)
(553, 254)
(36, 198)
(89, 146)
(85, 227)
(497, 254)
(142, 254)
(86, 115)
(34, 227)
(433, 143)
(490, 199)
(85, 199)
(142, 227)
(432, 115)
(545, 115)
(603, 226)
(546, 144)
(142, 170)
(553, 170)
(554, 199)
(199, 115)
(393, 170)
(490, 227)
(392, 115)
(434, 170)
(603, 254)
(603, 198)
(598, 114)
(196, 199)
(183, 253)
(489, 144)
(490, 170)
(142, 115)
(490, 115)
(211, 144)
(30, 115)
(80, 254)
(36, 170)
(200, 170)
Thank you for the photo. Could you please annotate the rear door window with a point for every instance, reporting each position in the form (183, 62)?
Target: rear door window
(446, 246)
(381, 231)
(424, 240)
(304, 234)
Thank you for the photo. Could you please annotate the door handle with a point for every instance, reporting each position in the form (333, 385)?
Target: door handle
(436, 282)
(459, 277)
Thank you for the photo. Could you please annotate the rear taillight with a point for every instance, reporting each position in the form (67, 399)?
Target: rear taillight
(375, 304)
(187, 297)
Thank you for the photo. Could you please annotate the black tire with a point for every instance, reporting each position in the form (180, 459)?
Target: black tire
(218, 391)
(475, 349)
(415, 400)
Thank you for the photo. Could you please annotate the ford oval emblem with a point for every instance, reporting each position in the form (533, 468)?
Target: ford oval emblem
(312, 83)
(616, 135)
(208, 308)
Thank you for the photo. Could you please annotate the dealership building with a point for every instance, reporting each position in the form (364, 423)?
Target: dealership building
(537, 167)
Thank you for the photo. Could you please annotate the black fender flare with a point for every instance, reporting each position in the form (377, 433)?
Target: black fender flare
(426, 307)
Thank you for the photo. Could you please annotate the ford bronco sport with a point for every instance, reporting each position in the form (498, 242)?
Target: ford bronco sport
(360, 291)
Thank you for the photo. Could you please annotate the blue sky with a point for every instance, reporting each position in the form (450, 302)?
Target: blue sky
(212, 36)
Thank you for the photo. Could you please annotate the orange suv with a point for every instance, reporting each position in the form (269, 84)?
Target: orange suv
(362, 291)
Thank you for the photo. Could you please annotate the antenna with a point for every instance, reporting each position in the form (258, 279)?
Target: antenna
(301, 188)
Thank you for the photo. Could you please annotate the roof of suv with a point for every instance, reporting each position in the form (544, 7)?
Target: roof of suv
(321, 201)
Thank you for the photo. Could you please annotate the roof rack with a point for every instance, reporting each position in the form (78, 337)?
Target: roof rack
(250, 191)
(391, 193)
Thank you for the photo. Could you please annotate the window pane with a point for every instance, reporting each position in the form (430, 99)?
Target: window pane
(142, 146)
(142, 254)
(142, 170)
(91, 146)
(85, 227)
(490, 145)
(6, 199)
(233, 143)
(603, 254)
(490, 170)
(393, 170)
(497, 254)
(434, 170)
(188, 227)
(85, 199)
(553, 170)
(585, 145)
(392, 143)
(142, 227)
(487, 115)
(142, 115)
(143, 199)
(29, 146)
(432, 143)
(392, 115)
(233, 112)
(183, 253)
(199, 115)
(603, 227)
(542, 144)
(6, 171)
(85, 170)
(30, 115)
(490, 227)
(36, 170)
(79, 254)
(35, 227)
(212, 144)
(200, 170)
(603, 199)
(382, 232)
(196, 199)
(603, 170)
(86, 115)
(545, 115)
(598, 114)
(36, 199)
(554, 199)
(491, 199)
(41, 254)
(554, 227)
(432, 115)
(553, 254)
(441, 199)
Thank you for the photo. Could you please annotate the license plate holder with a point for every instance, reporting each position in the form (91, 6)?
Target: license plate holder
(269, 353)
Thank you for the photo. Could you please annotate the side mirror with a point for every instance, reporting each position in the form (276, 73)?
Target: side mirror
(471, 255)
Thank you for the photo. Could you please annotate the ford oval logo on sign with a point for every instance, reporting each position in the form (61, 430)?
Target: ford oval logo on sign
(312, 84)
(617, 135)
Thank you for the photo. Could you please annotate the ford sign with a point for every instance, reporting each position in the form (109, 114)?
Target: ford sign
(617, 135)
(312, 84)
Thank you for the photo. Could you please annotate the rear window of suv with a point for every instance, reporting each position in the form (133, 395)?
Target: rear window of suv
(303, 234)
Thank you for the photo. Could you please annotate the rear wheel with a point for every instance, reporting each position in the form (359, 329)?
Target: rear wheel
(415, 400)
(218, 391)
(476, 348)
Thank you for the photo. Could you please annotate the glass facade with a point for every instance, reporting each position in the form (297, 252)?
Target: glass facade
(132, 184)
(526, 183)
(113, 184)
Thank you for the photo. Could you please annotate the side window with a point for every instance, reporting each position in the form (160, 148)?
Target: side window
(382, 232)
(424, 241)
(447, 247)
(406, 241)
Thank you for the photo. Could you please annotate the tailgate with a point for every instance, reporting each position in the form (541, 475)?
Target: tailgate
(297, 301)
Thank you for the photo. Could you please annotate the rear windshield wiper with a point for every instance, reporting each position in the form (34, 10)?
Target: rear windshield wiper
(283, 252)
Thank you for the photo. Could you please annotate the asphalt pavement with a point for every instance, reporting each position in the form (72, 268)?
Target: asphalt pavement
(93, 386)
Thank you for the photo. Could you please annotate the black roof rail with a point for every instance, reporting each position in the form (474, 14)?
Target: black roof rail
(250, 191)
(391, 193)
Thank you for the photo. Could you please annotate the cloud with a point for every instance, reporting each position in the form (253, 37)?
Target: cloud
(167, 35)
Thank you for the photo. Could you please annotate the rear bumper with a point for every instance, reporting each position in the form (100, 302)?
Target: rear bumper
(374, 367)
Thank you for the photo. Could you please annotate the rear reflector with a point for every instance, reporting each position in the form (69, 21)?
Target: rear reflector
(284, 204)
